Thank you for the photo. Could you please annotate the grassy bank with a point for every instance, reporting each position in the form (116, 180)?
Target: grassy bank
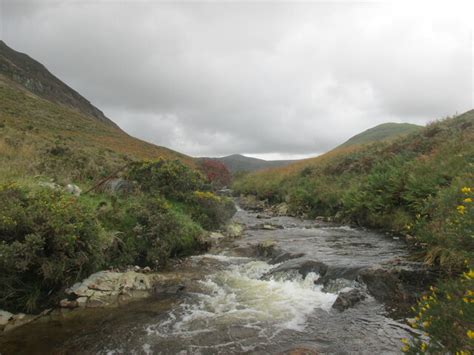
(421, 186)
(50, 239)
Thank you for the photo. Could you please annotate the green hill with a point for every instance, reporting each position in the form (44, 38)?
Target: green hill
(240, 163)
(382, 132)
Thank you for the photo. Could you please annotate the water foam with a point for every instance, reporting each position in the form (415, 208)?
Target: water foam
(238, 296)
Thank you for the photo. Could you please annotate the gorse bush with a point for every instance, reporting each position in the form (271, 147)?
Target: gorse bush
(209, 210)
(47, 241)
(148, 231)
(169, 178)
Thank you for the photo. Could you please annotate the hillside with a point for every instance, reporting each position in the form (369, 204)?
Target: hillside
(382, 132)
(419, 187)
(48, 128)
(240, 163)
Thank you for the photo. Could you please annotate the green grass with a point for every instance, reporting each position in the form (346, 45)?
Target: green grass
(383, 132)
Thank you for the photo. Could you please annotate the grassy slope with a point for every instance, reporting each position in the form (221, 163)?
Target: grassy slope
(30, 127)
(385, 131)
(420, 185)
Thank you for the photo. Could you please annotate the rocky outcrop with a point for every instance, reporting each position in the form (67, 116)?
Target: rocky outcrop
(108, 288)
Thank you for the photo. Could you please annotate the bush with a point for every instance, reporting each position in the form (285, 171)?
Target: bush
(170, 178)
(47, 242)
(446, 314)
(148, 232)
(209, 210)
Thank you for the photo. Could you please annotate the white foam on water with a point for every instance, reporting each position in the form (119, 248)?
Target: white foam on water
(238, 296)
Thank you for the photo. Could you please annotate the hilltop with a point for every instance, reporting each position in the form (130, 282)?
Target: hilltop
(383, 132)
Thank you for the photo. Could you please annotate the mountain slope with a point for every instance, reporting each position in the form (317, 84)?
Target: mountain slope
(239, 163)
(382, 132)
(33, 76)
(48, 128)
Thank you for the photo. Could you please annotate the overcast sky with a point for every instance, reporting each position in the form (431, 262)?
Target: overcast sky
(269, 79)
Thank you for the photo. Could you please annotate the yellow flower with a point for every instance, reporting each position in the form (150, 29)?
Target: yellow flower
(469, 275)
(468, 200)
(466, 190)
(404, 340)
(423, 346)
(470, 334)
(461, 209)
(465, 299)
(405, 348)
(426, 324)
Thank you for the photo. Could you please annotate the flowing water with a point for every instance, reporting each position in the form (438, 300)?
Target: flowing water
(236, 302)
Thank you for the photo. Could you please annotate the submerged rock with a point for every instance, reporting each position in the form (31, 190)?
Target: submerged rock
(348, 299)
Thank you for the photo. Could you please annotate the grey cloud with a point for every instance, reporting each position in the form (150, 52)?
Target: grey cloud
(260, 78)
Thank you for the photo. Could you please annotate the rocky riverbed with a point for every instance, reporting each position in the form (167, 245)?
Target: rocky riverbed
(286, 286)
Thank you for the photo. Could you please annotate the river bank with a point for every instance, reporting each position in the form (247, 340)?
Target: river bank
(271, 291)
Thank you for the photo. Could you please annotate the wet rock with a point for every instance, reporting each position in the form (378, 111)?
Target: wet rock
(234, 230)
(73, 190)
(281, 209)
(263, 216)
(303, 266)
(285, 257)
(382, 284)
(267, 249)
(5, 317)
(107, 288)
(348, 299)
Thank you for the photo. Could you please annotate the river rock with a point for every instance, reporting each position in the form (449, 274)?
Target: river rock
(234, 230)
(5, 317)
(303, 266)
(106, 288)
(348, 299)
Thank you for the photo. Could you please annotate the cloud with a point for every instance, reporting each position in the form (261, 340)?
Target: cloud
(268, 79)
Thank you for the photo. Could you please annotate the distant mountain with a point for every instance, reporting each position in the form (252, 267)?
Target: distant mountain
(382, 132)
(238, 163)
(33, 76)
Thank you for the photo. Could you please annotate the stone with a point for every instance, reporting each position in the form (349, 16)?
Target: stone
(118, 186)
(73, 190)
(234, 230)
(348, 299)
(5, 317)
(65, 303)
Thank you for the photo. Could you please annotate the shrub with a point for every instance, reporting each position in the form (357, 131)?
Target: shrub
(148, 232)
(170, 178)
(48, 241)
(216, 173)
(209, 210)
(446, 314)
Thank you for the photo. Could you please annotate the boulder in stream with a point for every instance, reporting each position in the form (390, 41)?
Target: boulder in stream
(348, 299)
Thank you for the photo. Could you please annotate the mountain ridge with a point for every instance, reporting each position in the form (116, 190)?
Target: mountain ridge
(35, 77)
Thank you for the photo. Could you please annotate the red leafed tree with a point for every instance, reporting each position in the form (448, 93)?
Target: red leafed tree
(216, 172)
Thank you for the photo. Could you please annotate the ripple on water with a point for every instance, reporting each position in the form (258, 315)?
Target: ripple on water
(236, 302)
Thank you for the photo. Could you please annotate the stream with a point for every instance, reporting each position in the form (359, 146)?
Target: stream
(270, 291)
